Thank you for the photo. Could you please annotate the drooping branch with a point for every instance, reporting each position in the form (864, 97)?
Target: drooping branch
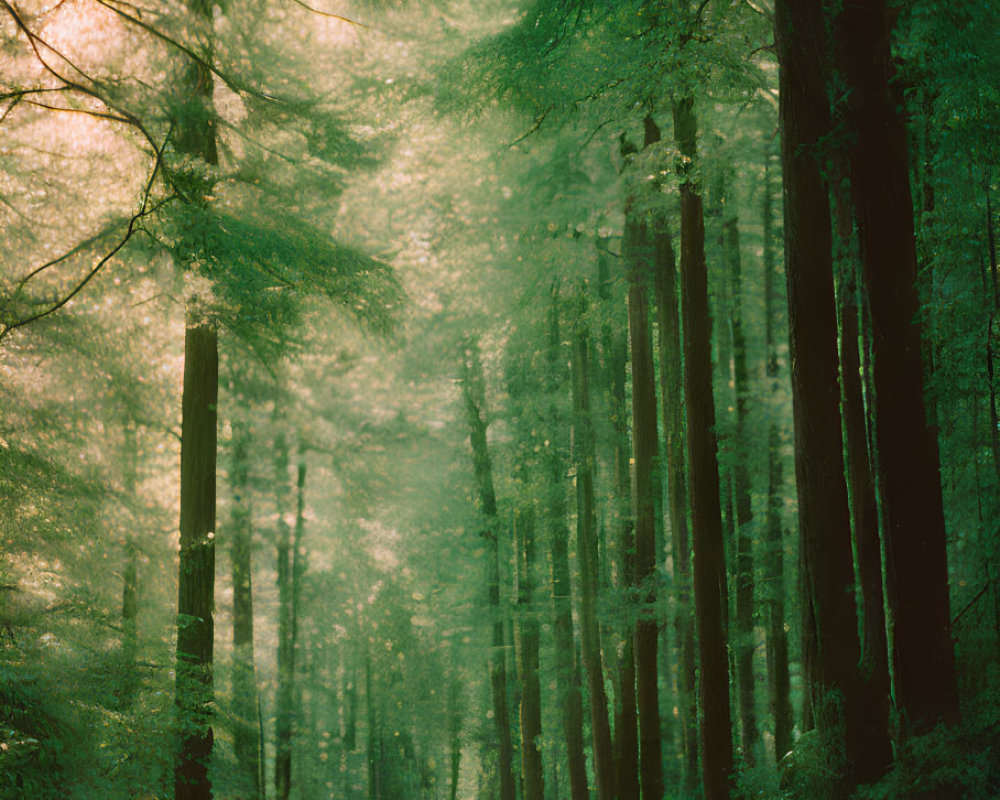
(145, 209)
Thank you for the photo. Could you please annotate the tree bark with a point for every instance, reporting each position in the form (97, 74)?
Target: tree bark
(908, 460)
(196, 583)
(709, 552)
(475, 401)
(639, 257)
(824, 519)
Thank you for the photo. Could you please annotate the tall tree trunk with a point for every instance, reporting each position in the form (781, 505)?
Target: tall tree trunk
(284, 722)
(196, 583)
(709, 552)
(527, 654)
(639, 257)
(245, 700)
(475, 402)
(909, 467)
(824, 520)
(567, 669)
(454, 736)
(587, 554)
(195, 136)
(779, 689)
(744, 643)
(672, 412)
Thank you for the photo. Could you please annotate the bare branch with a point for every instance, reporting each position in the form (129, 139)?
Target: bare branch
(328, 14)
(143, 211)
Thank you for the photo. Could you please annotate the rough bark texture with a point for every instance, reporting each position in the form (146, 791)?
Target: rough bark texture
(567, 669)
(196, 583)
(475, 401)
(672, 412)
(706, 515)
(779, 688)
(587, 554)
(909, 469)
(824, 522)
(245, 703)
(638, 252)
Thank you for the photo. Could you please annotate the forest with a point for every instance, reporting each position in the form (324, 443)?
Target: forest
(499, 400)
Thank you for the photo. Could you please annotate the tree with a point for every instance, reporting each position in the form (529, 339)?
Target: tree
(908, 460)
(706, 514)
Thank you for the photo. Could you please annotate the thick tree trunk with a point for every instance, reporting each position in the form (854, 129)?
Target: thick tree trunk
(587, 554)
(824, 519)
(245, 731)
(779, 689)
(909, 469)
(567, 669)
(672, 412)
(475, 401)
(709, 553)
(196, 583)
(639, 257)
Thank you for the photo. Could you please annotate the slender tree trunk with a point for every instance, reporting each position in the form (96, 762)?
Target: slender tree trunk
(779, 689)
(567, 669)
(475, 401)
(824, 519)
(245, 732)
(626, 729)
(913, 515)
(587, 555)
(196, 584)
(195, 135)
(672, 410)
(639, 257)
(744, 642)
(709, 552)
(527, 652)
(284, 712)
